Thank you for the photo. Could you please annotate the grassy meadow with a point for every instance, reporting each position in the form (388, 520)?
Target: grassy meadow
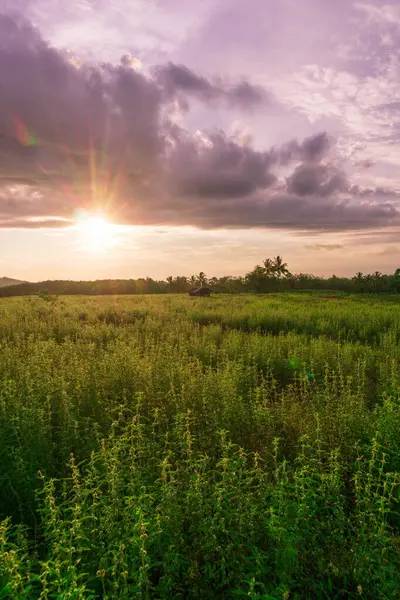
(158, 447)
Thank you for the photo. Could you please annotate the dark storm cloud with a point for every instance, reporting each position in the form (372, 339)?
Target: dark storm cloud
(315, 147)
(377, 192)
(289, 212)
(316, 180)
(218, 167)
(178, 78)
(312, 149)
(71, 109)
(221, 168)
(75, 135)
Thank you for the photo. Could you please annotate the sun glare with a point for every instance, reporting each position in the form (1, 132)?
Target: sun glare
(97, 234)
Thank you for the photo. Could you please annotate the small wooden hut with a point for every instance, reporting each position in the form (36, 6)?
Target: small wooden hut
(203, 292)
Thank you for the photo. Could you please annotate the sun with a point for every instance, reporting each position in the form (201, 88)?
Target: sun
(96, 233)
(99, 233)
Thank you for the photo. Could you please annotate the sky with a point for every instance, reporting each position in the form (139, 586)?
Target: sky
(166, 137)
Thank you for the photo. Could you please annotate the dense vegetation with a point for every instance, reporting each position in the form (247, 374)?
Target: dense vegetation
(174, 447)
(272, 276)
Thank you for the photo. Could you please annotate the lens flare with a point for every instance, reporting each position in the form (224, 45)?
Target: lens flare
(297, 365)
(23, 135)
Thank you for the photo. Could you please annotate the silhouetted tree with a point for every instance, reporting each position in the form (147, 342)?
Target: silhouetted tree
(279, 268)
(272, 275)
(269, 267)
(202, 279)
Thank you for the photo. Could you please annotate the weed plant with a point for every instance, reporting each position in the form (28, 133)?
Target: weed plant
(159, 447)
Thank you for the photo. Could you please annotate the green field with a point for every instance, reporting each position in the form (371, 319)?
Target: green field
(160, 447)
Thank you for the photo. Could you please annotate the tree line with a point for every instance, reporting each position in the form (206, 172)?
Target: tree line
(272, 275)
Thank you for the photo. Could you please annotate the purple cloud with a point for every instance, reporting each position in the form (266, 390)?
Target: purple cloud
(178, 78)
(316, 180)
(103, 138)
(36, 224)
(324, 247)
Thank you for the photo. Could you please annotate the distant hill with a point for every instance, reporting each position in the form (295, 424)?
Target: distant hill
(5, 281)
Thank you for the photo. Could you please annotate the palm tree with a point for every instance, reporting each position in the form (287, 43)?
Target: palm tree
(202, 279)
(279, 267)
(375, 280)
(192, 280)
(170, 281)
(268, 267)
(359, 280)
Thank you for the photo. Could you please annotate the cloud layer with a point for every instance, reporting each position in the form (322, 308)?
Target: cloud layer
(174, 78)
(103, 136)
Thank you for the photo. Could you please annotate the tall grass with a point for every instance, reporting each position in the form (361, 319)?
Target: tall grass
(170, 447)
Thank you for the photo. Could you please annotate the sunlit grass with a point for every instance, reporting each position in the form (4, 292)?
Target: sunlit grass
(174, 447)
